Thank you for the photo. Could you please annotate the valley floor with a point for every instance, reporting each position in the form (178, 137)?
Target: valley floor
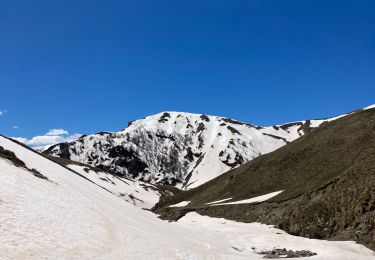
(68, 217)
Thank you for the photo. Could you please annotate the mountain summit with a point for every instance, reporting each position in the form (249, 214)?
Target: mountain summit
(180, 149)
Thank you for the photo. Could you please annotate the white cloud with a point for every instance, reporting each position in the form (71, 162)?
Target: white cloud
(57, 132)
(53, 136)
(15, 127)
(20, 139)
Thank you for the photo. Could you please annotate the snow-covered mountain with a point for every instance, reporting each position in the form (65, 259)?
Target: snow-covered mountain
(181, 149)
(48, 211)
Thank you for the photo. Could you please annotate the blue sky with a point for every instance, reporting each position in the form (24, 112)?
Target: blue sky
(88, 66)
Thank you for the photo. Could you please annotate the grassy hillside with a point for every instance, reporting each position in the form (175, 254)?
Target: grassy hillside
(328, 178)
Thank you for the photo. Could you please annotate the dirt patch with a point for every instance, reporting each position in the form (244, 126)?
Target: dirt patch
(284, 253)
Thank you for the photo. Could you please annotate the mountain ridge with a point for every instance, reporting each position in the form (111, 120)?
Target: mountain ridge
(180, 149)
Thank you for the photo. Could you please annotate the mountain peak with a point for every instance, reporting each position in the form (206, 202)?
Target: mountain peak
(179, 148)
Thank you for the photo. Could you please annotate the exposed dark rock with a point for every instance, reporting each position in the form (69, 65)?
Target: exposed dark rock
(235, 122)
(286, 126)
(284, 253)
(36, 173)
(200, 140)
(255, 126)
(205, 118)
(170, 137)
(277, 137)
(119, 151)
(63, 151)
(190, 155)
(127, 159)
(170, 181)
(200, 127)
(238, 160)
(190, 173)
(9, 155)
(164, 117)
(306, 127)
(103, 133)
(233, 130)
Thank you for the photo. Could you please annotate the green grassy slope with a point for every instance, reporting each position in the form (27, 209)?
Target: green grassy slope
(328, 178)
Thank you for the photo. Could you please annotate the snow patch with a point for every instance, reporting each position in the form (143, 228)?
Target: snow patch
(218, 201)
(369, 107)
(142, 195)
(247, 240)
(254, 200)
(181, 204)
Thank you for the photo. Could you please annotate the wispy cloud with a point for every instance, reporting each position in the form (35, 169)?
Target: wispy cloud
(57, 132)
(53, 136)
(15, 127)
(2, 112)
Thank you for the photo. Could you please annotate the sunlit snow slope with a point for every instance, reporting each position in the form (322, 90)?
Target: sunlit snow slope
(66, 216)
(140, 194)
(182, 149)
